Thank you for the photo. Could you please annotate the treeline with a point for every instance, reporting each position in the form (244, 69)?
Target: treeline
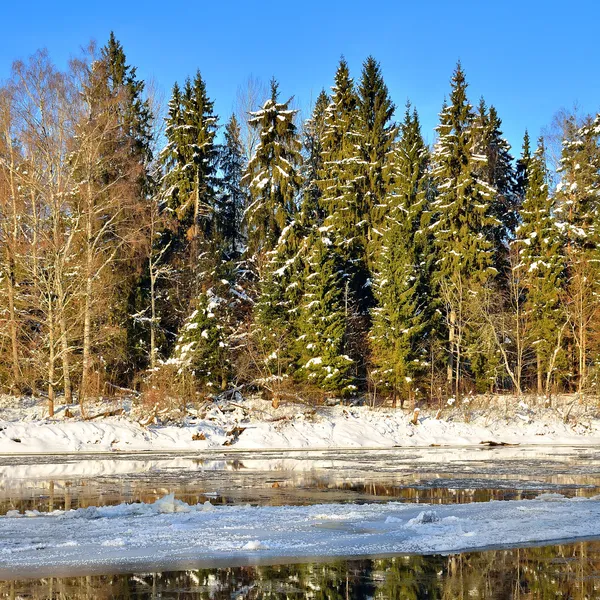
(335, 257)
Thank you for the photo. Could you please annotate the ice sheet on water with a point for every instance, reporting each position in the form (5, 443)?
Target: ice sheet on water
(171, 530)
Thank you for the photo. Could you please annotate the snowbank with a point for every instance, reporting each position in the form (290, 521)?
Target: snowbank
(257, 426)
(174, 534)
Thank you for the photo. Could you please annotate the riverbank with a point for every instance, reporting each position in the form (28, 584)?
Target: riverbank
(253, 424)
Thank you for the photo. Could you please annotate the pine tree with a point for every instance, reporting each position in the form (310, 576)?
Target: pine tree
(403, 315)
(232, 197)
(272, 174)
(541, 265)
(377, 135)
(463, 221)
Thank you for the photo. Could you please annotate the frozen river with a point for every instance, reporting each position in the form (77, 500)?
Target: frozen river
(251, 480)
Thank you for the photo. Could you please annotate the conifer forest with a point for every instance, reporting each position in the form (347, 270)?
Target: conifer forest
(177, 251)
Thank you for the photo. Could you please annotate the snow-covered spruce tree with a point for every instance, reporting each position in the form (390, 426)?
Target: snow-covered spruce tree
(498, 173)
(273, 178)
(232, 194)
(190, 160)
(541, 267)
(201, 289)
(377, 135)
(272, 174)
(321, 342)
(522, 170)
(578, 211)
(340, 181)
(346, 219)
(201, 352)
(403, 315)
(314, 130)
(462, 223)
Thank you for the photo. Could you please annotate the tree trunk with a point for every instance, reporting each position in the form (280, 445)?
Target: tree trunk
(87, 317)
(16, 371)
(51, 359)
(451, 342)
(152, 315)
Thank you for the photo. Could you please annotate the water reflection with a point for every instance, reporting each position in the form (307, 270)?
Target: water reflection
(428, 475)
(565, 571)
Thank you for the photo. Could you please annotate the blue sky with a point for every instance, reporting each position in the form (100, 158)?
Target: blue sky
(528, 58)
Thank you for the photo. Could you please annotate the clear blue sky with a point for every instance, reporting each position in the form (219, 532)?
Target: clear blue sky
(528, 57)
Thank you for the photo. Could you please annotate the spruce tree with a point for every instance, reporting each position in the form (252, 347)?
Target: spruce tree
(463, 221)
(322, 323)
(314, 131)
(272, 175)
(521, 172)
(232, 196)
(578, 213)
(497, 172)
(190, 160)
(124, 169)
(341, 184)
(541, 265)
(201, 351)
(403, 316)
(377, 135)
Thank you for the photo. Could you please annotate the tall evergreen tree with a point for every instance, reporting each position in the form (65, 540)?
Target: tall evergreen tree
(314, 131)
(463, 221)
(403, 315)
(497, 173)
(272, 175)
(340, 181)
(578, 210)
(377, 135)
(541, 265)
(232, 197)
(120, 112)
(190, 160)
(522, 170)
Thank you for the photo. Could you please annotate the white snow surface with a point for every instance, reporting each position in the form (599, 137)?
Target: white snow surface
(173, 533)
(254, 425)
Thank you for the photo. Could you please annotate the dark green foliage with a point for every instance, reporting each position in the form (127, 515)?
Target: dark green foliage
(232, 196)
(403, 315)
(201, 350)
(322, 323)
(497, 172)
(521, 177)
(540, 259)
(463, 219)
(341, 183)
(377, 135)
(272, 174)
(190, 163)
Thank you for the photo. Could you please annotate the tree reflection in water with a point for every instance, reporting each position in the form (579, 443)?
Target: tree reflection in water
(564, 571)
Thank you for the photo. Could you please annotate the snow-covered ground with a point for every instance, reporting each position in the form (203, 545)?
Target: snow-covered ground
(172, 534)
(254, 424)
